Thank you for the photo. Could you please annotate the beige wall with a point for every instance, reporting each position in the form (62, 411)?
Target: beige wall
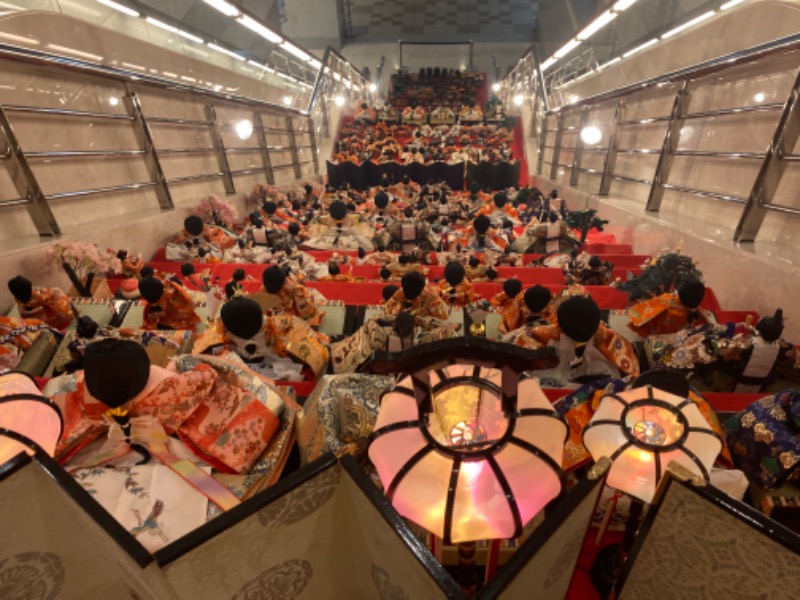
(743, 26)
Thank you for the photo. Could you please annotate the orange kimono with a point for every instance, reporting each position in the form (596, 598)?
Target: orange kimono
(295, 299)
(50, 305)
(175, 309)
(427, 304)
(662, 314)
(517, 314)
(460, 295)
(501, 301)
(286, 335)
(614, 348)
(211, 234)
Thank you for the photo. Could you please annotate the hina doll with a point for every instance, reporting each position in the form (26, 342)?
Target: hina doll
(50, 305)
(340, 230)
(586, 347)
(531, 309)
(169, 305)
(456, 290)
(194, 229)
(502, 300)
(585, 269)
(277, 346)
(286, 295)
(545, 237)
(670, 312)
(415, 297)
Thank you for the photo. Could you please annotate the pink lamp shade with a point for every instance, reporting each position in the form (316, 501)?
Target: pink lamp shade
(642, 431)
(462, 467)
(27, 419)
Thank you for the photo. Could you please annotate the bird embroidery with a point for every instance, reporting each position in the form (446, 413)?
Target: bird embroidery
(150, 524)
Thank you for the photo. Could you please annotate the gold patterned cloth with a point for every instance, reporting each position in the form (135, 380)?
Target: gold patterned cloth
(50, 305)
(340, 415)
(765, 439)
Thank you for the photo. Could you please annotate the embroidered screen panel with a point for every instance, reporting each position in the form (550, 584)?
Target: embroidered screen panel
(695, 549)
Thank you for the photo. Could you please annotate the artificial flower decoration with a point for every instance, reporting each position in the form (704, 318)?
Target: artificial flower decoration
(217, 212)
(469, 461)
(82, 262)
(642, 431)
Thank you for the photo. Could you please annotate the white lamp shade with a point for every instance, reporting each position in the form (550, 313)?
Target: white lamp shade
(642, 431)
(469, 479)
(27, 419)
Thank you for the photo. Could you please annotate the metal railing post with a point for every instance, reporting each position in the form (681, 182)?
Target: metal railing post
(672, 136)
(219, 149)
(293, 147)
(25, 182)
(557, 146)
(542, 142)
(262, 146)
(141, 129)
(313, 142)
(611, 155)
(577, 158)
(772, 169)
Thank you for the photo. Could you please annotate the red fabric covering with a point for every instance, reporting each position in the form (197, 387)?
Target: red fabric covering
(518, 153)
(601, 248)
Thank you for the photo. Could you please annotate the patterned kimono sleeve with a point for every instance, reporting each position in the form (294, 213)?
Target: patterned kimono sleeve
(434, 306)
(643, 314)
(511, 316)
(305, 305)
(544, 334)
(617, 349)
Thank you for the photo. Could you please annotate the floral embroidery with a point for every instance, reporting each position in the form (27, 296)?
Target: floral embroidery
(748, 419)
(763, 434)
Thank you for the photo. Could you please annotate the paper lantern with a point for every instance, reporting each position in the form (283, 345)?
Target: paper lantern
(642, 431)
(465, 459)
(27, 419)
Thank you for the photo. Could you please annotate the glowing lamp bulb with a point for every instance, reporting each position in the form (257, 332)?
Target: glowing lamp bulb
(244, 129)
(519, 99)
(591, 135)
(339, 100)
(287, 100)
(373, 88)
(496, 87)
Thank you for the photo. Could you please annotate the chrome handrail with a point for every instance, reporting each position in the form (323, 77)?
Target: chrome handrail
(784, 45)
(66, 111)
(703, 193)
(82, 153)
(322, 74)
(102, 190)
(74, 64)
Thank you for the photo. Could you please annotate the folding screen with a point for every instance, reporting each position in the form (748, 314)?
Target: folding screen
(59, 543)
(324, 532)
(698, 542)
